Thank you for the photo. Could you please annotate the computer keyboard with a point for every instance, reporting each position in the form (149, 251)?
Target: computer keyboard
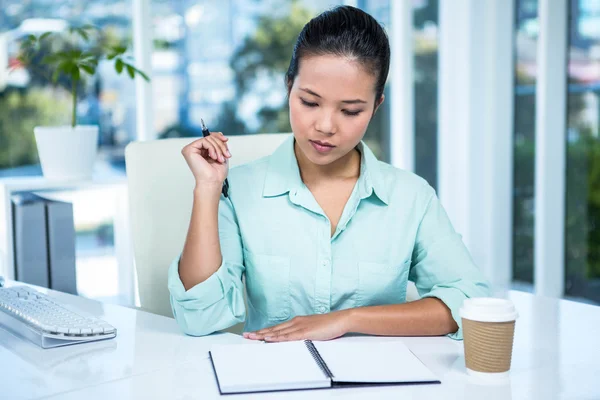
(45, 321)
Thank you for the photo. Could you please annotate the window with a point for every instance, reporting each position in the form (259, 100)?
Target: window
(28, 99)
(524, 141)
(582, 225)
(224, 62)
(425, 18)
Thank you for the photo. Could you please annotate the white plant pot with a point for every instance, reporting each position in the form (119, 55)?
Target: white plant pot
(67, 153)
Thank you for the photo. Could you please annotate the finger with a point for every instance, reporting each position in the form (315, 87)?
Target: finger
(260, 334)
(269, 329)
(251, 336)
(286, 337)
(197, 144)
(277, 327)
(286, 325)
(221, 145)
(212, 149)
(284, 331)
(195, 148)
(276, 333)
(221, 136)
(217, 147)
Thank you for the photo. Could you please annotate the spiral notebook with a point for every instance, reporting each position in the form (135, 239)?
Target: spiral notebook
(245, 368)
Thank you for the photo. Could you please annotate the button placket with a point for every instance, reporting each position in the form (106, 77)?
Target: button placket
(323, 278)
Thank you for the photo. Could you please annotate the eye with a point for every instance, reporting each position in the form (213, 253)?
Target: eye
(352, 113)
(308, 104)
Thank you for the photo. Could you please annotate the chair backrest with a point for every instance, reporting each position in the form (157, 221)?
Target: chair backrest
(160, 201)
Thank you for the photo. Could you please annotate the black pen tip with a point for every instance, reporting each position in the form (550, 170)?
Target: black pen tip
(202, 122)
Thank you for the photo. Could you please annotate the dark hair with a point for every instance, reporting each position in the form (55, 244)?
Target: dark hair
(348, 32)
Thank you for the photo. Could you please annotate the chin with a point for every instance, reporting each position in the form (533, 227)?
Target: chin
(322, 160)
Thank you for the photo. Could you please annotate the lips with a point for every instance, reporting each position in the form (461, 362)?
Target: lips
(321, 147)
(324, 144)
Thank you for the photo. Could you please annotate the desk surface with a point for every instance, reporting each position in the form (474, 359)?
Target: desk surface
(556, 356)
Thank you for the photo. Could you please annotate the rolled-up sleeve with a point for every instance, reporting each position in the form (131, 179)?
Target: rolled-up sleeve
(218, 302)
(442, 266)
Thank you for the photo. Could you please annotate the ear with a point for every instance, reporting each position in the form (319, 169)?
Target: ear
(379, 102)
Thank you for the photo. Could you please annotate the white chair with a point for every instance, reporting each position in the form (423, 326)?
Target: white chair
(160, 200)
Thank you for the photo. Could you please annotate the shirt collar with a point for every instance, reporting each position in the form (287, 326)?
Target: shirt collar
(283, 174)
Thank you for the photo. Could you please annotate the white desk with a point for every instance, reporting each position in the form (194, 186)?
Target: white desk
(556, 356)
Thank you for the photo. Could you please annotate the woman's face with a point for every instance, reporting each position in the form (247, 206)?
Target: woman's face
(331, 103)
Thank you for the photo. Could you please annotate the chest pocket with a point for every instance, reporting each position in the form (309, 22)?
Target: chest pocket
(268, 284)
(382, 283)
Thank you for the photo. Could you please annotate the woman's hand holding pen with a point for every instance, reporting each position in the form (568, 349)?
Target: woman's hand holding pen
(208, 158)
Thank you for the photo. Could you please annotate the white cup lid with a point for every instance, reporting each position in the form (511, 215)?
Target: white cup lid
(488, 309)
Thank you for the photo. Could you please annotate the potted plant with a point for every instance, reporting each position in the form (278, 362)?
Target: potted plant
(69, 152)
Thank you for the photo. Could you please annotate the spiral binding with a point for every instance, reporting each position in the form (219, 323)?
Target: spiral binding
(318, 359)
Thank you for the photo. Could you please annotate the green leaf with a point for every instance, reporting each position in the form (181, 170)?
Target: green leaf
(89, 27)
(87, 64)
(119, 65)
(88, 69)
(84, 35)
(66, 67)
(63, 56)
(141, 73)
(130, 71)
(50, 59)
(74, 54)
(45, 35)
(118, 50)
(55, 76)
(27, 46)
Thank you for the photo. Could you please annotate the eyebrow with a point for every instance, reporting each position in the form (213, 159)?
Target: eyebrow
(355, 101)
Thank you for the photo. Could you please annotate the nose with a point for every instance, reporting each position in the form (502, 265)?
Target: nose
(325, 122)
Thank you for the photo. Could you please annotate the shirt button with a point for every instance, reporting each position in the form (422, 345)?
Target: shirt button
(322, 310)
(325, 263)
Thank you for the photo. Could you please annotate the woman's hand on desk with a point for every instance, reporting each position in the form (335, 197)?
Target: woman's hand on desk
(207, 159)
(312, 327)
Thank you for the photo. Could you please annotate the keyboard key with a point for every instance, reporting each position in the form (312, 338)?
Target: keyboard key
(49, 328)
(108, 328)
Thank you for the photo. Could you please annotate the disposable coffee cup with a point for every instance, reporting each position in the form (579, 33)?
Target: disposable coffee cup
(488, 332)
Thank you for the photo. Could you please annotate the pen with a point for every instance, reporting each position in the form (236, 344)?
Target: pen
(205, 133)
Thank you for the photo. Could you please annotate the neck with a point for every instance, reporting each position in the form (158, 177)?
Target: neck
(347, 167)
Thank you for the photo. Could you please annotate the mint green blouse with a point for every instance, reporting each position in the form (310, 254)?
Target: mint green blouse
(276, 237)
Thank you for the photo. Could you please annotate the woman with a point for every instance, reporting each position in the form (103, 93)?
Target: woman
(326, 235)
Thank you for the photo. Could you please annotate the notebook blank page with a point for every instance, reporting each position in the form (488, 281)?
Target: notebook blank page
(373, 362)
(272, 366)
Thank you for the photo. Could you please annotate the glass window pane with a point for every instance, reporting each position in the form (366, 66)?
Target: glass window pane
(224, 61)
(378, 132)
(524, 141)
(29, 99)
(582, 256)
(425, 22)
